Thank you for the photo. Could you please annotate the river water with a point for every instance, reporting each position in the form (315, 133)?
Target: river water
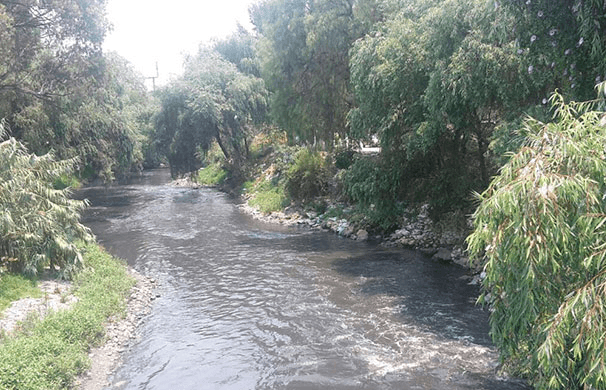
(251, 305)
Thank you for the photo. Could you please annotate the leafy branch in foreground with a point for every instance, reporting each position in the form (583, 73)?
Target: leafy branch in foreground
(39, 225)
(541, 227)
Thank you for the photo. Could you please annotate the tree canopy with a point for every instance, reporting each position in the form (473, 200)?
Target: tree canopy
(213, 100)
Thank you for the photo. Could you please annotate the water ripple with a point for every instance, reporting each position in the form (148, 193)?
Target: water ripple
(246, 305)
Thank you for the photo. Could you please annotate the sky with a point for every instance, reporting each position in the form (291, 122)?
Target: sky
(162, 31)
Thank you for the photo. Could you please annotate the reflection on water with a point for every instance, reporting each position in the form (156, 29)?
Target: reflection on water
(248, 305)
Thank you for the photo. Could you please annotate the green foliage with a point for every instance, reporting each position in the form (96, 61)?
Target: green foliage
(562, 43)
(60, 92)
(14, 287)
(269, 196)
(65, 181)
(212, 101)
(39, 224)
(308, 176)
(304, 59)
(344, 158)
(373, 187)
(50, 353)
(541, 228)
(432, 83)
(212, 175)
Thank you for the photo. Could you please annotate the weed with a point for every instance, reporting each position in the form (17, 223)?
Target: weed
(48, 354)
(14, 287)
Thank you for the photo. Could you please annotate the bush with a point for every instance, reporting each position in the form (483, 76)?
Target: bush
(269, 196)
(541, 225)
(39, 224)
(373, 188)
(308, 177)
(212, 175)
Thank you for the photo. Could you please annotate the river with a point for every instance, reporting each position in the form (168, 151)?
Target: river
(250, 305)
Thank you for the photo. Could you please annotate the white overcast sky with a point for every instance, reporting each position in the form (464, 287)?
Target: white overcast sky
(150, 31)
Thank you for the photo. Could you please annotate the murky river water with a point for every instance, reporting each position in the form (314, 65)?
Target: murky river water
(248, 305)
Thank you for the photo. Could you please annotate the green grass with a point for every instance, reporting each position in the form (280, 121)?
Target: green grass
(48, 354)
(65, 181)
(269, 197)
(212, 175)
(14, 287)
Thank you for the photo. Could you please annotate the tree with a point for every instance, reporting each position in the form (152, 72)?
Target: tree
(432, 83)
(59, 92)
(212, 100)
(100, 120)
(563, 44)
(304, 48)
(541, 227)
(39, 225)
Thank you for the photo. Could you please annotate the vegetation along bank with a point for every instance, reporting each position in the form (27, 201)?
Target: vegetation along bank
(481, 115)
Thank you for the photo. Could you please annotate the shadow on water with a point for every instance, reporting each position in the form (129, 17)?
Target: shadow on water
(246, 304)
(433, 295)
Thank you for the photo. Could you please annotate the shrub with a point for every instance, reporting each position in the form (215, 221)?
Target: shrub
(541, 226)
(269, 196)
(212, 175)
(373, 188)
(308, 177)
(39, 224)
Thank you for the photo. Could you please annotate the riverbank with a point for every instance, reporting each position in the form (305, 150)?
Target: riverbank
(442, 241)
(72, 336)
(119, 334)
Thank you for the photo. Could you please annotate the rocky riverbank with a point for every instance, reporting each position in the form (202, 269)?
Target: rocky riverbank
(441, 242)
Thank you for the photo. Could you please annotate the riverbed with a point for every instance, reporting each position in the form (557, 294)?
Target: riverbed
(251, 305)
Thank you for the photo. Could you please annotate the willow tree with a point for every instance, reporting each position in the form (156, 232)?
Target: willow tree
(304, 51)
(541, 226)
(39, 225)
(211, 101)
(432, 83)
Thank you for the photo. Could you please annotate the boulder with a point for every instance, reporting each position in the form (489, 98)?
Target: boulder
(442, 254)
(362, 235)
